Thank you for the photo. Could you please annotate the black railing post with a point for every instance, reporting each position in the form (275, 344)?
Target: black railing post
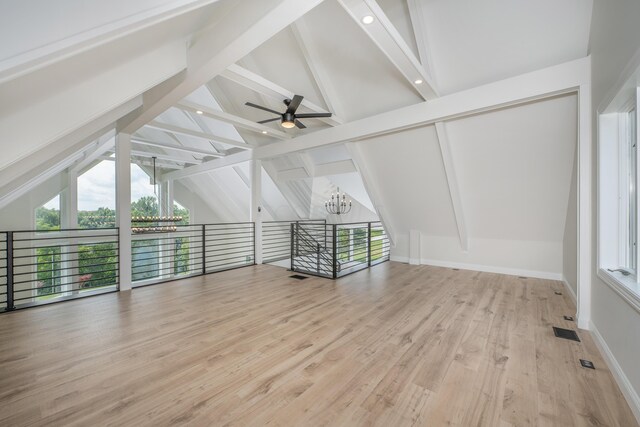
(204, 258)
(10, 305)
(297, 238)
(293, 226)
(318, 257)
(369, 243)
(254, 243)
(335, 251)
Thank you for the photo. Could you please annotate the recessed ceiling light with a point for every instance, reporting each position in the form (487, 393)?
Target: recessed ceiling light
(198, 112)
(264, 131)
(367, 19)
(418, 81)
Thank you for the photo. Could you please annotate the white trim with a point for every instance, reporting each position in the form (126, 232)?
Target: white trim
(623, 382)
(570, 290)
(547, 275)
(628, 289)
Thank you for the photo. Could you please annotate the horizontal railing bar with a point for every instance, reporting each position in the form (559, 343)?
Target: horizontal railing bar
(77, 267)
(60, 260)
(56, 286)
(65, 276)
(62, 246)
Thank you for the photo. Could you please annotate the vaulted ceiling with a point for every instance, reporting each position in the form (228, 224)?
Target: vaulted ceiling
(176, 74)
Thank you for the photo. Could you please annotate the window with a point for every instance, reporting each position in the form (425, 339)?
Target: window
(618, 181)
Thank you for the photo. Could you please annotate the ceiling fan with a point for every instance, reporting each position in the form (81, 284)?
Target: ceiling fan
(289, 118)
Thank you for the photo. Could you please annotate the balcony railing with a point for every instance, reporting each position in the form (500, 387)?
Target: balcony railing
(336, 250)
(54, 265)
(276, 238)
(41, 267)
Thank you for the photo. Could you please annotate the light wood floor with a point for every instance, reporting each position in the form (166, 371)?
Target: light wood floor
(395, 345)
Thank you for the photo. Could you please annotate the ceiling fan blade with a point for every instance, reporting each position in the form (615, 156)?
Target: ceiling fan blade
(269, 120)
(312, 115)
(294, 104)
(260, 107)
(300, 125)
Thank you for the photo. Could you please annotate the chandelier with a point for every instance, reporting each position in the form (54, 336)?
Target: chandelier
(336, 205)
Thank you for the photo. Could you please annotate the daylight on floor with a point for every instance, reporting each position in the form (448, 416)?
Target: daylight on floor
(319, 213)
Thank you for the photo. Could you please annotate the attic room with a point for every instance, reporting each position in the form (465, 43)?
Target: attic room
(319, 212)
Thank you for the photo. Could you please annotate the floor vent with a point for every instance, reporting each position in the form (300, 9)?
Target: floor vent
(569, 318)
(566, 334)
(298, 277)
(522, 277)
(587, 364)
(558, 293)
(455, 269)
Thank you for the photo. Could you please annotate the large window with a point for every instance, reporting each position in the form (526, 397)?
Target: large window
(618, 199)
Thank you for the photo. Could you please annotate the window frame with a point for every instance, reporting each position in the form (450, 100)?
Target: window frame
(618, 199)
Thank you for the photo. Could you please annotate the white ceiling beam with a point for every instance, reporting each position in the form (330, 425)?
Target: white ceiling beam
(103, 144)
(537, 85)
(230, 160)
(231, 119)
(259, 84)
(385, 35)
(371, 187)
(165, 165)
(248, 25)
(286, 191)
(149, 155)
(416, 14)
(452, 181)
(175, 147)
(177, 130)
(325, 169)
(304, 38)
(32, 60)
(533, 86)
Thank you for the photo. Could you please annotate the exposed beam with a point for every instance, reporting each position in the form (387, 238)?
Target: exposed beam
(230, 160)
(144, 163)
(313, 57)
(416, 15)
(325, 169)
(32, 60)
(231, 119)
(196, 134)
(149, 155)
(175, 147)
(249, 24)
(452, 181)
(259, 84)
(22, 176)
(385, 35)
(371, 187)
(104, 143)
(548, 82)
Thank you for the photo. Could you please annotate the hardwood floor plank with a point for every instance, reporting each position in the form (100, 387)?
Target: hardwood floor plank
(395, 345)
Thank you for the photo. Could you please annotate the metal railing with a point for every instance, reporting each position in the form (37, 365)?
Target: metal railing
(276, 238)
(3, 271)
(54, 265)
(338, 249)
(191, 250)
(228, 245)
(166, 255)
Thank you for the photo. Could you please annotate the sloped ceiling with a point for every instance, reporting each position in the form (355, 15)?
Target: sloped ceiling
(477, 42)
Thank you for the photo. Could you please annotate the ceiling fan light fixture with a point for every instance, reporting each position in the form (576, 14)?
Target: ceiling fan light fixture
(287, 124)
(368, 19)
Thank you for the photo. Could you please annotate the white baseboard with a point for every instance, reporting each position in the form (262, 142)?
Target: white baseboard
(572, 294)
(618, 374)
(485, 268)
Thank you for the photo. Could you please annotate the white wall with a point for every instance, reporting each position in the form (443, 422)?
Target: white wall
(570, 239)
(513, 168)
(615, 40)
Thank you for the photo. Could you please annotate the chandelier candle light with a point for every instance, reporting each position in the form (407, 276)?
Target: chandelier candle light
(336, 205)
